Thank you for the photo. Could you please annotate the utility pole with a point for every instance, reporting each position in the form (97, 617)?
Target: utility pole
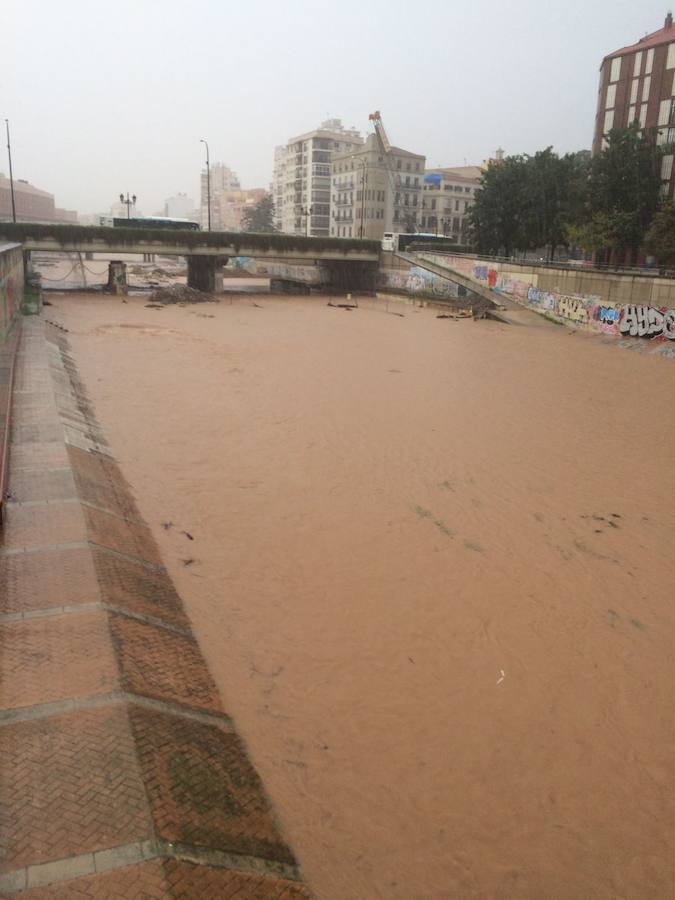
(11, 176)
(208, 182)
(363, 195)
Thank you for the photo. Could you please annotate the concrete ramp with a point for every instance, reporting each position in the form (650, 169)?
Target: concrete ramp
(500, 308)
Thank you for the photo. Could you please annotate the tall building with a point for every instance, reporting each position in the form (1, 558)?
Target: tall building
(376, 188)
(223, 181)
(637, 84)
(31, 203)
(180, 206)
(233, 204)
(447, 200)
(302, 174)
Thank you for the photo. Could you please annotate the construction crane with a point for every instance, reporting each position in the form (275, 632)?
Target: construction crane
(376, 119)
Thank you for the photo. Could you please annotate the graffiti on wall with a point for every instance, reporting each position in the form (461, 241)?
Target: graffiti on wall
(419, 281)
(581, 310)
(647, 321)
(573, 308)
(287, 271)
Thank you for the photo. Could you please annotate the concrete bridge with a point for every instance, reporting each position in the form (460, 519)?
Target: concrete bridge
(347, 263)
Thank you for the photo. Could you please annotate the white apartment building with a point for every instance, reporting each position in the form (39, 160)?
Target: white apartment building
(301, 187)
(376, 188)
(447, 198)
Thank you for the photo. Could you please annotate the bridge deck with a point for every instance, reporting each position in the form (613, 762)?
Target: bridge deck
(77, 238)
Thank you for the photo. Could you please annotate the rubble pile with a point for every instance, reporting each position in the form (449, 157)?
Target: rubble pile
(180, 293)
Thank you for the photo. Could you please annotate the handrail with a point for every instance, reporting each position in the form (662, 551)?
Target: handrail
(581, 265)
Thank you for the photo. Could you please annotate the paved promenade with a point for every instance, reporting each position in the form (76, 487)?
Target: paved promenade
(121, 775)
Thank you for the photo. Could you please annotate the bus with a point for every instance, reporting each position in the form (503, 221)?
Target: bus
(393, 240)
(149, 222)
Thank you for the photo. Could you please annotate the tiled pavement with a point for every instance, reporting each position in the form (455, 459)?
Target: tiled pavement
(121, 776)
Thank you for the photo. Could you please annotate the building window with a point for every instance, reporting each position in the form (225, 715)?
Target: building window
(456, 205)
(643, 115)
(433, 203)
(609, 121)
(407, 167)
(645, 88)
(407, 180)
(666, 136)
(650, 61)
(417, 167)
(635, 84)
(637, 65)
(417, 181)
(398, 164)
(611, 96)
(670, 61)
(615, 70)
(467, 190)
(666, 168)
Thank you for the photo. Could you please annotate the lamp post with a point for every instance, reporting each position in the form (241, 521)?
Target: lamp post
(364, 180)
(307, 212)
(128, 203)
(208, 182)
(11, 177)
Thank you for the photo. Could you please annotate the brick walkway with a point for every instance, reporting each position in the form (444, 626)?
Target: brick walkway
(121, 776)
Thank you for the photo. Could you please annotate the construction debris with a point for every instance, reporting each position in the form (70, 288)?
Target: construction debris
(181, 293)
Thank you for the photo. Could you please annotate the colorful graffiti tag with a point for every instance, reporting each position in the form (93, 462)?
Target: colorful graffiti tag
(647, 321)
(419, 281)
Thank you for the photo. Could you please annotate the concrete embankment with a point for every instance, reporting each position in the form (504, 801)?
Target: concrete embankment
(121, 772)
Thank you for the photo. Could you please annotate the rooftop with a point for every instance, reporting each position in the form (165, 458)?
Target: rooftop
(664, 35)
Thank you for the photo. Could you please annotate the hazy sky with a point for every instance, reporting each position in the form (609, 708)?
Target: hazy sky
(104, 97)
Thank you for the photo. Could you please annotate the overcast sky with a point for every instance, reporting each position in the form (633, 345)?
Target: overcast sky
(104, 97)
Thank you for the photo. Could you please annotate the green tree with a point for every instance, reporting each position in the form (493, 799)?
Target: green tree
(660, 237)
(498, 211)
(552, 187)
(260, 217)
(624, 183)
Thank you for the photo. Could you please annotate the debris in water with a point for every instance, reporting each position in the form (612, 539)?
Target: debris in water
(167, 525)
(187, 535)
(188, 562)
(180, 293)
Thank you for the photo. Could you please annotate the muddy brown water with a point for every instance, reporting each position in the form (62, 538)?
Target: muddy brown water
(433, 580)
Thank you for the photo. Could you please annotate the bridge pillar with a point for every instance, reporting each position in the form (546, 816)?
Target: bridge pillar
(117, 277)
(205, 273)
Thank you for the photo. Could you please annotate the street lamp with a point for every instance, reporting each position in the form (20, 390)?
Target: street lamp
(128, 203)
(11, 177)
(364, 180)
(208, 181)
(307, 212)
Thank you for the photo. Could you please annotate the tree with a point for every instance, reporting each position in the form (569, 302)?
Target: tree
(498, 210)
(260, 217)
(625, 183)
(660, 237)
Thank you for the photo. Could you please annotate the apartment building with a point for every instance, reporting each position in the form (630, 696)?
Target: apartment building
(637, 84)
(301, 186)
(447, 199)
(375, 188)
(223, 182)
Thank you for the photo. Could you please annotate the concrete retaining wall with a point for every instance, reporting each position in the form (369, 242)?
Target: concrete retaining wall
(627, 306)
(11, 286)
